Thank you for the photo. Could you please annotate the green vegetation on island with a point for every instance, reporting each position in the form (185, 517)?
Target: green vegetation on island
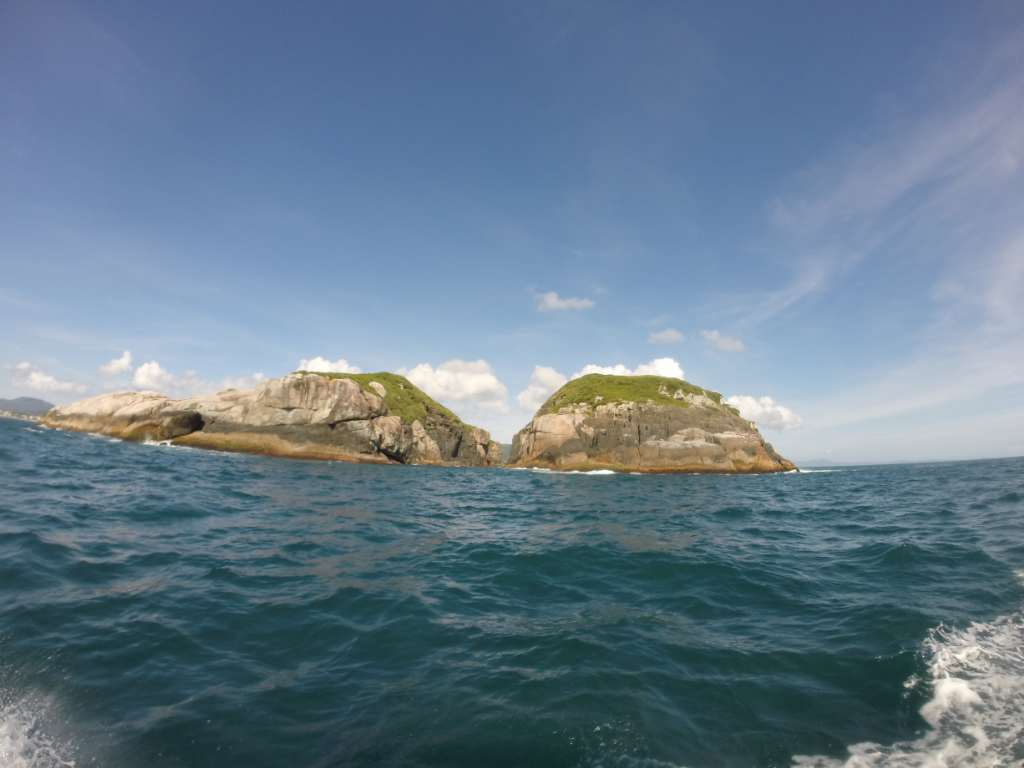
(403, 398)
(598, 388)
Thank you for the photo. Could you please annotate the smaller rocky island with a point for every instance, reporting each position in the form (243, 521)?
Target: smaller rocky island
(371, 417)
(642, 424)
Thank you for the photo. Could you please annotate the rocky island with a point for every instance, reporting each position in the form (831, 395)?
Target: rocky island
(622, 423)
(378, 417)
(642, 424)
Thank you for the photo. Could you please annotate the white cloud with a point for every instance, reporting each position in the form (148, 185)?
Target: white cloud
(27, 375)
(323, 365)
(552, 302)
(456, 380)
(666, 336)
(243, 382)
(543, 382)
(121, 364)
(661, 366)
(152, 376)
(764, 411)
(721, 341)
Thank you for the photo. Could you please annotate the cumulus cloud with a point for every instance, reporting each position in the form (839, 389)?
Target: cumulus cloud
(721, 341)
(152, 376)
(121, 364)
(243, 382)
(661, 366)
(471, 381)
(666, 336)
(27, 375)
(323, 365)
(764, 411)
(552, 302)
(543, 382)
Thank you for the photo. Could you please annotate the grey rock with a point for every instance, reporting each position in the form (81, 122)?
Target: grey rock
(304, 415)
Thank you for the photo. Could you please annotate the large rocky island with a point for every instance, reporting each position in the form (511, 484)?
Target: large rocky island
(378, 417)
(642, 424)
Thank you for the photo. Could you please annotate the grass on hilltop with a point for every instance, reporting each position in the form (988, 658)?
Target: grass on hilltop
(598, 388)
(403, 399)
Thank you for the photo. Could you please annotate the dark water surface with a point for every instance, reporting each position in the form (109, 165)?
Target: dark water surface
(170, 607)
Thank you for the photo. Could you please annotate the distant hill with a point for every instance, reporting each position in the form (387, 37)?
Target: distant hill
(817, 463)
(31, 406)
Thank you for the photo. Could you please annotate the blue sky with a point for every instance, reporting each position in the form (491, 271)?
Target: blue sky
(818, 210)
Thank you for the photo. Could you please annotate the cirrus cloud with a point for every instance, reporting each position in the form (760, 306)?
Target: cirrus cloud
(764, 411)
(666, 336)
(721, 341)
(552, 302)
(463, 381)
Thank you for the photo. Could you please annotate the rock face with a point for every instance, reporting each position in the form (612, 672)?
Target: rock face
(642, 424)
(366, 418)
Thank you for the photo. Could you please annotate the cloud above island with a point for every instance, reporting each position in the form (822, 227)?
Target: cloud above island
(118, 365)
(764, 412)
(552, 302)
(661, 366)
(461, 381)
(320, 364)
(151, 375)
(543, 383)
(29, 376)
(666, 336)
(719, 340)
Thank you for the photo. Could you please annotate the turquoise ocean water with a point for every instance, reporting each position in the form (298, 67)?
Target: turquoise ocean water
(164, 606)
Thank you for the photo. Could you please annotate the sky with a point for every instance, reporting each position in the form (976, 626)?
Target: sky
(815, 209)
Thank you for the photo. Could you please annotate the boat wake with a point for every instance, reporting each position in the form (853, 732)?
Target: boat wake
(976, 713)
(26, 739)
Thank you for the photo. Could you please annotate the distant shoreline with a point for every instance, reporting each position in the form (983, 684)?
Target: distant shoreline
(18, 416)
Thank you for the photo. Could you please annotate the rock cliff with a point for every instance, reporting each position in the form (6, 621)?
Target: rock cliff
(642, 424)
(379, 417)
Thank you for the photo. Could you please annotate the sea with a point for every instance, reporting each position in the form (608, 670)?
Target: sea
(164, 606)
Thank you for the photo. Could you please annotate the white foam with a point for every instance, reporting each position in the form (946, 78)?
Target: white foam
(546, 471)
(574, 471)
(25, 739)
(976, 713)
(802, 471)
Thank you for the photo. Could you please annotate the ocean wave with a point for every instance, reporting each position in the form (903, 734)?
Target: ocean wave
(975, 715)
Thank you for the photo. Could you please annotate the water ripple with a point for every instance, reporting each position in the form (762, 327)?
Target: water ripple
(169, 607)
